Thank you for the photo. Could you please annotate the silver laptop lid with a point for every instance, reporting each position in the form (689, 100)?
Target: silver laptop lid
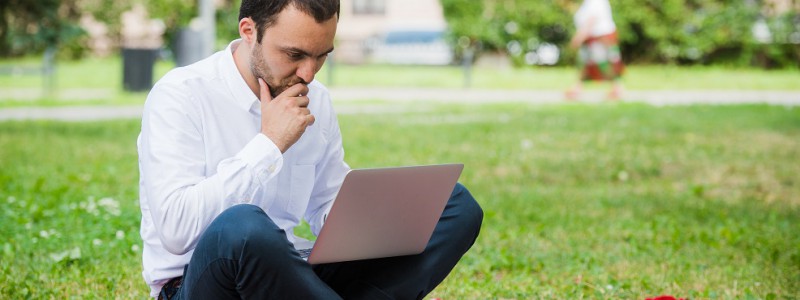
(385, 212)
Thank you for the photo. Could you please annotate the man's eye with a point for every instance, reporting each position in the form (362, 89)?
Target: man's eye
(295, 55)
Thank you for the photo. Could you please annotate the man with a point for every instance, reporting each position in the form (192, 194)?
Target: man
(236, 148)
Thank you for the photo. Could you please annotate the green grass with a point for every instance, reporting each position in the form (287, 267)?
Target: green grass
(77, 82)
(560, 78)
(92, 81)
(89, 73)
(612, 201)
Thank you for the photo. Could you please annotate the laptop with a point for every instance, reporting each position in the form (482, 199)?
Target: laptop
(383, 212)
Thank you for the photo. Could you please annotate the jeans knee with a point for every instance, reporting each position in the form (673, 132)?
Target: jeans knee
(245, 226)
(469, 209)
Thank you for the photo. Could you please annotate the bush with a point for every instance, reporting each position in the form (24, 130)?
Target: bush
(28, 27)
(651, 31)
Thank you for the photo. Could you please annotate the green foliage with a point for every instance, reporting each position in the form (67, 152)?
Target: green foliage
(687, 31)
(663, 31)
(174, 13)
(228, 23)
(496, 24)
(106, 11)
(28, 27)
(580, 201)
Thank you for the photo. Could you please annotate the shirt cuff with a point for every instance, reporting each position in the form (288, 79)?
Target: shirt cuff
(262, 156)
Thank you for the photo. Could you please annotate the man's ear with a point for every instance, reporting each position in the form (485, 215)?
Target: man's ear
(247, 30)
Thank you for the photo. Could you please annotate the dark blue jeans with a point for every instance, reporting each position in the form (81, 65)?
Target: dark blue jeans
(244, 255)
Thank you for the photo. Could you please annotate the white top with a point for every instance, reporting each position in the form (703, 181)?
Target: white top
(201, 151)
(599, 9)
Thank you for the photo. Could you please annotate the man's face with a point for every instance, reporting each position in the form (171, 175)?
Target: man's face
(292, 50)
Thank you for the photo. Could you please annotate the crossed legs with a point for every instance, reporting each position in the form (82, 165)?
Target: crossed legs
(243, 254)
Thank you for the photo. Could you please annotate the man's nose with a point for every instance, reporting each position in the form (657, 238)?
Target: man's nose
(306, 70)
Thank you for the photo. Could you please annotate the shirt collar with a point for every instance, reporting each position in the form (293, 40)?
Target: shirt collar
(243, 97)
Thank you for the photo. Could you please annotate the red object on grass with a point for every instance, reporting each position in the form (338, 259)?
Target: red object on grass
(664, 297)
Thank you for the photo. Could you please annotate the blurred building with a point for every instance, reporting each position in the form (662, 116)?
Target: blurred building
(365, 23)
(776, 7)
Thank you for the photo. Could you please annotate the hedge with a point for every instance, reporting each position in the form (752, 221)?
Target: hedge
(650, 31)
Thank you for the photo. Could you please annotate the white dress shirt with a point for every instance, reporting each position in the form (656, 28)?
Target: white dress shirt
(201, 151)
(601, 11)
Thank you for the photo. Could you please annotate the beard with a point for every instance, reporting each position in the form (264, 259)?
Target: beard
(259, 68)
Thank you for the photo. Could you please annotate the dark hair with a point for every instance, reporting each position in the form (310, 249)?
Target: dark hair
(264, 12)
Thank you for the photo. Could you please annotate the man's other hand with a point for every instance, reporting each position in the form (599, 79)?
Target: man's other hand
(285, 118)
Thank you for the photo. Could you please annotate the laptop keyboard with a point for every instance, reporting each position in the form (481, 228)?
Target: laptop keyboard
(304, 253)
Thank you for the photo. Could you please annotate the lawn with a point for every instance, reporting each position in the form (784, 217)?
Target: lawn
(99, 80)
(610, 201)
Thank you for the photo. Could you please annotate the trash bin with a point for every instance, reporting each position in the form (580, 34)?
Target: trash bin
(188, 46)
(137, 68)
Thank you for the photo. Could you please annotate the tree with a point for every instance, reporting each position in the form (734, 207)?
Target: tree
(650, 31)
(32, 26)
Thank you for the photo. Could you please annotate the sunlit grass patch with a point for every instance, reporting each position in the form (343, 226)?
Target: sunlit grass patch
(581, 201)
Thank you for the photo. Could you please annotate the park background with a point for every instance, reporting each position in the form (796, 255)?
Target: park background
(688, 186)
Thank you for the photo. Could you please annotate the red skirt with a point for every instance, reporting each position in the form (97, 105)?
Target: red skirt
(600, 58)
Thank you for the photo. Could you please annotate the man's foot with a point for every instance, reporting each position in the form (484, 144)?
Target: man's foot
(614, 95)
(572, 94)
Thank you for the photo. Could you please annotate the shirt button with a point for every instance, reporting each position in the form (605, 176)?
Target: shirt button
(271, 168)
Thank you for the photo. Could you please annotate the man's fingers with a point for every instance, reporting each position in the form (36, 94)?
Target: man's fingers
(266, 97)
(303, 89)
(309, 117)
(296, 90)
(311, 120)
(302, 101)
(298, 93)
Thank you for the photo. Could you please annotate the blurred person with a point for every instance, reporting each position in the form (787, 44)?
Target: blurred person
(237, 148)
(599, 57)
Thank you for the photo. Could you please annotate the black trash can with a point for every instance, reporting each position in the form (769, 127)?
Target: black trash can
(137, 69)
